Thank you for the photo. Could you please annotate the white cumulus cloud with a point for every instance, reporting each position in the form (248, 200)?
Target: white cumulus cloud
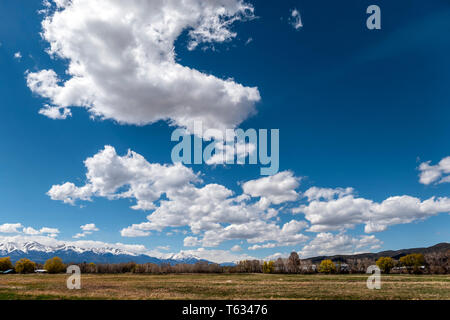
(176, 198)
(331, 244)
(131, 176)
(19, 228)
(10, 227)
(435, 173)
(122, 63)
(340, 210)
(87, 229)
(275, 189)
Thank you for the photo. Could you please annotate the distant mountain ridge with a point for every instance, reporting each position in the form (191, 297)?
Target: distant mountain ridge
(395, 254)
(39, 253)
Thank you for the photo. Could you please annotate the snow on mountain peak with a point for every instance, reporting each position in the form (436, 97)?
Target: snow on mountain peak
(26, 247)
(181, 256)
(87, 251)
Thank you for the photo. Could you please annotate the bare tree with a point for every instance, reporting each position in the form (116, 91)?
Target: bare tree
(280, 267)
(293, 265)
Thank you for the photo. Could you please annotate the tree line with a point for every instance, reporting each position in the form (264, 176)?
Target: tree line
(431, 263)
(53, 265)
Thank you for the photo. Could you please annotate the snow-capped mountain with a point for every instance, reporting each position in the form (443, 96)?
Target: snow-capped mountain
(183, 257)
(39, 253)
(31, 246)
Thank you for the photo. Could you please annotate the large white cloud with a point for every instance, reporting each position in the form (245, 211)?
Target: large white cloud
(214, 213)
(20, 229)
(332, 244)
(258, 231)
(178, 198)
(122, 63)
(340, 210)
(275, 189)
(10, 227)
(131, 176)
(439, 173)
(404, 209)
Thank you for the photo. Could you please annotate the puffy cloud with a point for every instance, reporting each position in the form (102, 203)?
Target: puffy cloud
(202, 208)
(225, 152)
(30, 231)
(335, 214)
(69, 193)
(178, 198)
(258, 231)
(212, 211)
(171, 192)
(17, 55)
(344, 211)
(87, 229)
(131, 44)
(10, 227)
(263, 246)
(108, 174)
(404, 209)
(437, 173)
(14, 228)
(191, 242)
(331, 244)
(276, 255)
(236, 248)
(55, 113)
(49, 230)
(134, 231)
(274, 189)
(315, 193)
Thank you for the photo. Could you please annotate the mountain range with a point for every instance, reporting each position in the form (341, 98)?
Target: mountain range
(39, 253)
(395, 254)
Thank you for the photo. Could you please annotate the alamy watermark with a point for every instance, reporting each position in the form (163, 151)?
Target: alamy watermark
(374, 20)
(74, 281)
(229, 146)
(374, 280)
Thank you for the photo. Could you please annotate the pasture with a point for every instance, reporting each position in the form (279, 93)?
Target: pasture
(224, 287)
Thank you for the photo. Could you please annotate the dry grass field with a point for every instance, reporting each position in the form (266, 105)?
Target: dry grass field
(224, 286)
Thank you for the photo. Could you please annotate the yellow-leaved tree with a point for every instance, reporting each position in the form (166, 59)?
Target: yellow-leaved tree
(268, 267)
(5, 264)
(385, 264)
(413, 261)
(54, 265)
(327, 266)
(25, 266)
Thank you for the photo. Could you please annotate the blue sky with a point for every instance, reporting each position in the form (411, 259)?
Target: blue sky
(355, 107)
